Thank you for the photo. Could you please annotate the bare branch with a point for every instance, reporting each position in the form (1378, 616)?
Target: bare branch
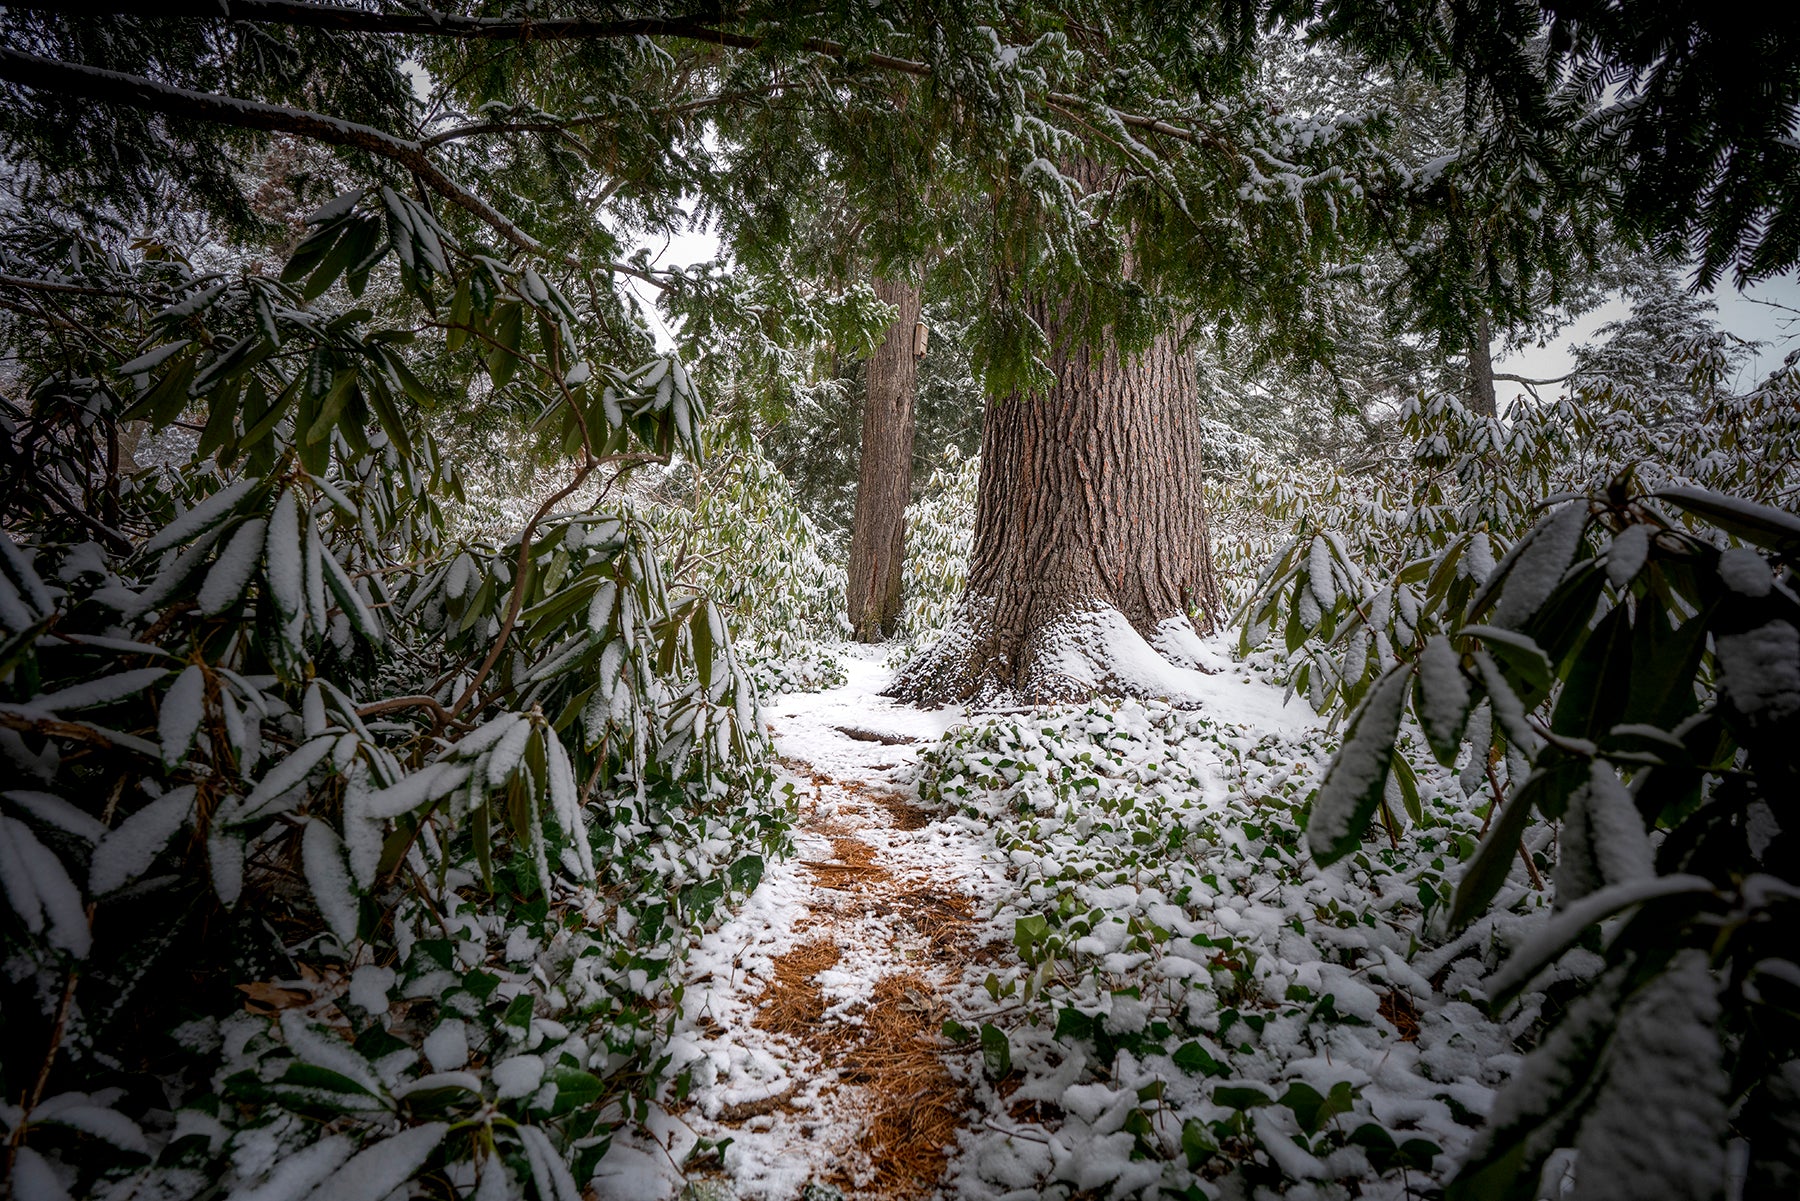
(522, 568)
(1519, 379)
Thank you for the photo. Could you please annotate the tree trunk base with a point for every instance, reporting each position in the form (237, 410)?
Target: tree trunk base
(1086, 653)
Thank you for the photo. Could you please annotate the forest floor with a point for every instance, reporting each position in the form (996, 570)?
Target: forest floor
(811, 1025)
(826, 1041)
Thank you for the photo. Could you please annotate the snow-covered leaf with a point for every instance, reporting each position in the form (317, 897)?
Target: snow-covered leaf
(285, 557)
(34, 1179)
(1318, 574)
(208, 513)
(1558, 934)
(508, 750)
(150, 360)
(128, 851)
(361, 620)
(315, 577)
(103, 691)
(55, 812)
(39, 889)
(99, 1121)
(330, 211)
(1658, 1124)
(548, 1171)
(323, 1048)
(231, 573)
(1602, 842)
(1759, 671)
(1358, 776)
(179, 718)
(1762, 524)
(328, 875)
(285, 776)
(225, 858)
(1626, 554)
(378, 1170)
(295, 1175)
(1447, 699)
(18, 570)
(1531, 572)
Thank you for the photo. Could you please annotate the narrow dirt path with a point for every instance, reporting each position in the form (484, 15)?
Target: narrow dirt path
(811, 1029)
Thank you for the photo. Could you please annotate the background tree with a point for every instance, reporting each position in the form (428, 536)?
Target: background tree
(885, 470)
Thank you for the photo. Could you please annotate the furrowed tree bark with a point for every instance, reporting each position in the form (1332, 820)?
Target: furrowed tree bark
(1089, 500)
(884, 481)
(1481, 368)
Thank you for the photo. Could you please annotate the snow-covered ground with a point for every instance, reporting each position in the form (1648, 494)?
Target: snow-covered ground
(1028, 954)
(773, 1097)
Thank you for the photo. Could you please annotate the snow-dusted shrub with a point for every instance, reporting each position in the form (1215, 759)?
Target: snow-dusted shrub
(1257, 499)
(1347, 562)
(1625, 665)
(940, 533)
(1635, 664)
(740, 530)
(1197, 1008)
(338, 853)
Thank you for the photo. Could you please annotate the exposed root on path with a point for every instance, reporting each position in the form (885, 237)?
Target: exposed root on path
(862, 735)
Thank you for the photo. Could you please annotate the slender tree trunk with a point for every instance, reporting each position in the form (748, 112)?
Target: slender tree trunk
(1481, 368)
(1089, 501)
(884, 484)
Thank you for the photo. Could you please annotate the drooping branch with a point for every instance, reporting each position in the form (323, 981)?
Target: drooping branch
(58, 286)
(522, 567)
(118, 87)
(339, 18)
(300, 13)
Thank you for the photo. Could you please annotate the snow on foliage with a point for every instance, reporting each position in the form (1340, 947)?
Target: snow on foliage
(1359, 776)
(342, 804)
(1194, 1004)
(1623, 688)
(940, 532)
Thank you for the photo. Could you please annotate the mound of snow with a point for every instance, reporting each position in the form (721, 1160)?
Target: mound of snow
(1098, 650)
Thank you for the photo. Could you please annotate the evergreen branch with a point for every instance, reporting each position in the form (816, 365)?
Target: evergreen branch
(564, 124)
(51, 285)
(522, 568)
(117, 87)
(331, 17)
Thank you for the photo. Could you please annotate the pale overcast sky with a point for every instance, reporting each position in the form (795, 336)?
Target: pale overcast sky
(1738, 313)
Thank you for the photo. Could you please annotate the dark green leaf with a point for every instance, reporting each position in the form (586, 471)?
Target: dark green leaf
(1760, 524)
(503, 357)
(996, 1052)
(575, 1089)
(1240, 1096)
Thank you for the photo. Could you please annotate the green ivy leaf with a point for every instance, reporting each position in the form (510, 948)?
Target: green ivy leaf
(996, 1052)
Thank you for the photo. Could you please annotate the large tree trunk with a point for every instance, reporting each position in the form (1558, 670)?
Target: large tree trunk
(1481, 368)
(1090, 536)
(884, 483)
